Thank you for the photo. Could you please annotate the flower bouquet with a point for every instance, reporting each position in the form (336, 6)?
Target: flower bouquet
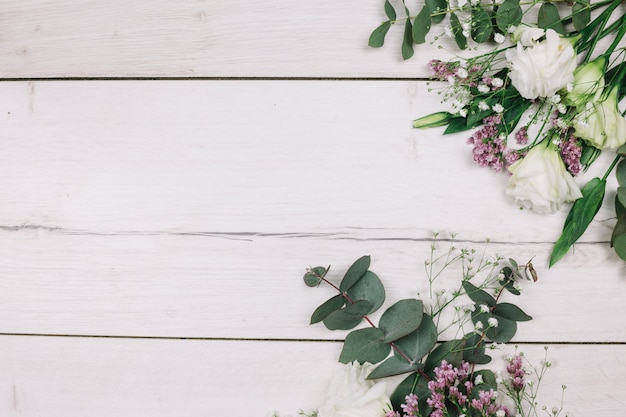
(449, 378)
(543, 103)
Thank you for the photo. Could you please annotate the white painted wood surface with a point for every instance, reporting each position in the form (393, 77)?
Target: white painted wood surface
(154, 233)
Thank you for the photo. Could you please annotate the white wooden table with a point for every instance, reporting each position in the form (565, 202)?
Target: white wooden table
(169, 168)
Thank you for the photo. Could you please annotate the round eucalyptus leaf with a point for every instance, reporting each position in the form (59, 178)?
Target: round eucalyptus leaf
(354, 273)
(401, 319)
(364, 345)
(348, 317)
(369, 288)
(330, 306)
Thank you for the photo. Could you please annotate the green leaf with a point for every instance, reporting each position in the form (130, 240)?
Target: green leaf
(419, 343)
(618, 238)
(313, 277)
(347, 317)
(389, 10)
(511, 312)
(481, 25)
(451, 351)
(477, 295)
(621, 195)
(621, 151)
(437, 9)
(580, 216)
(474, 349)
(356, 271)
(457, 124)
(581, 14)
(589, 155)
(369, 288)
(620, 208)
(400, 319)
(333, 304)
(394, 365)
(407, 41)
(421, 26)
(504, 332)
(364, 345)
(412, 384)
(377, 38)
(509, 13)
(549, 18)
(620, 172)
(457, 31)
(489, 382)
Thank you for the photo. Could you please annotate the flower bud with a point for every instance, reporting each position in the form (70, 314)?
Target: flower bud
(601, 124)
(588, 83)
(441, 118)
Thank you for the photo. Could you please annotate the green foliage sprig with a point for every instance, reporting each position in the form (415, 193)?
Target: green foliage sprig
(488, 20)
(406, 339)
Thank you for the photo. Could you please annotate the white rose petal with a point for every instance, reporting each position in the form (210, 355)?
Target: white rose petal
(350, 394)
(540, 181)
(542, 69)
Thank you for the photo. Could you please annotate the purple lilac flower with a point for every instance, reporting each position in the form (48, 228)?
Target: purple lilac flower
(521, 136)
(571, 151)
(489, 148)
(515, 369)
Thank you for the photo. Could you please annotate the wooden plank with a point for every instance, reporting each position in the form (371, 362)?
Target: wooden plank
(105, 377)
(247, 286)
(199, 38)
(250, 157)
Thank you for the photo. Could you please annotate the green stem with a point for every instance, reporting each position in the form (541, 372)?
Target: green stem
(618, 37)
(608, 171)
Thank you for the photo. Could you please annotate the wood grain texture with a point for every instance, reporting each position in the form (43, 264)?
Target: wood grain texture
(198, 38)
(251, 157)
(62, 377)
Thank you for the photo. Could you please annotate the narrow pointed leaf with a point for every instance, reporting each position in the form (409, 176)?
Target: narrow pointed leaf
(377, 38)
(348, 317)
(451, 351)
(580, 216)
(407, 41)
(354, 273)
(581, 14)
(364, 345)
(330, 306)
(421, 26)
(548, 18)
(477, 295)
(400, 319)
(437, 9)
(621, 195)
(457, 31)
(389, 10)
(618, 238)
(481, 25)
(511, 312)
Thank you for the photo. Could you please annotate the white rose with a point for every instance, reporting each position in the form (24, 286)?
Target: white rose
(601, 124)
(350, 394)
(542, 69)
(540, 181)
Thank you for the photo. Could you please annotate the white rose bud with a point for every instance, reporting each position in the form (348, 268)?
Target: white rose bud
(601, 124)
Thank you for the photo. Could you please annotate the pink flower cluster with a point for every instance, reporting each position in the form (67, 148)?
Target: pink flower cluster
(452, 71)
(515, 368)
(489, 148)
(571, 151)
(453, 386)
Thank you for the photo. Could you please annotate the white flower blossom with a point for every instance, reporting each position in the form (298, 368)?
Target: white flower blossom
(498, 108)
(497, 82)
(492, 322)
(483, 88)
(478, 380)
(542, 69)
(484, 308)
(479, 326)
(540, 181)
(462, 73)
(500, 413)
(350, 394)
(463, 112)
(499, 38)
(483, 105)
